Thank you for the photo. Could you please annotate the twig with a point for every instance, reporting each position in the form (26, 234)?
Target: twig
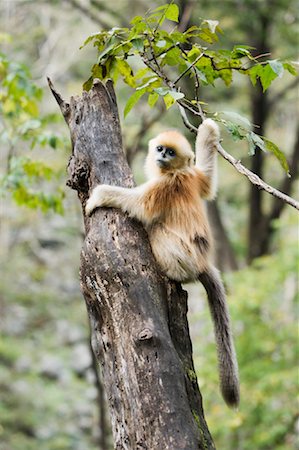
(188, 68)
(253, 178)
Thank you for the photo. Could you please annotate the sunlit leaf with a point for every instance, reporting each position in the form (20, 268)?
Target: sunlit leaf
(212, 24)
(152, 99)
(277, 67)
(126, 71)
(172, 12)
(290, 68)
(267, 75)
(168, 100)
(133, 100)
(271, 147)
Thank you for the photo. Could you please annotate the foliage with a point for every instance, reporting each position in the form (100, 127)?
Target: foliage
(48, 395)
(21, 124)
(263, 304)
(171, 56)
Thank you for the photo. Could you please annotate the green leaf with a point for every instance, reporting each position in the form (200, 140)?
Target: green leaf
(172, 57)
(254, 73)
(161, 43)
(176, 95)
(172, 12)
(212, 24)
(105, 52)
(126, 71)
(207, 36)
(227, 76)
(241, 50)
(88, 84)
(234, 130)
(267, 75)
(152, 99)
(254, 140)
(136, 20)
(171, 97)
(277, 67)
(138, 44)
(162, 91)
(148, 82)
(290, 68)
(133, 100)
(168, 100)
(237, 119)
(271, 147)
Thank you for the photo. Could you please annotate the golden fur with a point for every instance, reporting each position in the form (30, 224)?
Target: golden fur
(170, 206)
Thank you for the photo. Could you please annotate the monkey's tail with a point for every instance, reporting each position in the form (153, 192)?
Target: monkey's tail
(227, 361)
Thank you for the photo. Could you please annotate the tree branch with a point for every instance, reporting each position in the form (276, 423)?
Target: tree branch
(253, 178)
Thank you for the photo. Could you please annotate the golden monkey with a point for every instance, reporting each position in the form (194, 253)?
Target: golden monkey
(170, 206)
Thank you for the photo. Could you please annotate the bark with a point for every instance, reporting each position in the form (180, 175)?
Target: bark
(140, 333)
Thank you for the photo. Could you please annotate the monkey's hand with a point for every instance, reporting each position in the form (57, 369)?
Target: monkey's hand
(99, 197)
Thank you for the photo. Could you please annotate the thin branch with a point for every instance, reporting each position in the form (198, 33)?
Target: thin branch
(63, 105)
(188, 68)
(253, 178)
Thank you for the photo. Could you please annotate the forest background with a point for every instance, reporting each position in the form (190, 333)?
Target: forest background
(51, 394)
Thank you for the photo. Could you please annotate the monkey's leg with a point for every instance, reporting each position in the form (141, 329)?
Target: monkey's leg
(228, 366)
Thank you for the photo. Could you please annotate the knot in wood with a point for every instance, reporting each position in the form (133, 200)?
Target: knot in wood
(79, 173)
(145, 335)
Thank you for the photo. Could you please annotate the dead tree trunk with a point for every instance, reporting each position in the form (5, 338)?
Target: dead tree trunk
(140, 333)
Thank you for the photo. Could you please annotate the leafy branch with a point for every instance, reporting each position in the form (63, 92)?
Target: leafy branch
(169, 57)
(22, 126)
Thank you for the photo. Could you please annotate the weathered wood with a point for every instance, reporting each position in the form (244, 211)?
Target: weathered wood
(138, 318)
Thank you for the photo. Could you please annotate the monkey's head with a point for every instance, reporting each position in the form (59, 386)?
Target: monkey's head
(168, 152)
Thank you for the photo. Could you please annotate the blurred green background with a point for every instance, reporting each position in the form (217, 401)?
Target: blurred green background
(51, 395)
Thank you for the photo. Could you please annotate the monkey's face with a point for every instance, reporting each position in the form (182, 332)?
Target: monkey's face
(165, 156)
(169, 151)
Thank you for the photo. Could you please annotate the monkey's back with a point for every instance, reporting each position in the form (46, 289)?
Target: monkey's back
(180, 235)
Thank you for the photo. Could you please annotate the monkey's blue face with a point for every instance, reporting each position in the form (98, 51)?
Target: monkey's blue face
(164, 155)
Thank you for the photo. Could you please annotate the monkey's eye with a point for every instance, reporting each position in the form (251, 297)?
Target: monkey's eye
(159, 148)
(171, 152)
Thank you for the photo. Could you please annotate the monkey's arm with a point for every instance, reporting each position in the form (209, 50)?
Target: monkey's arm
(128, 200)
(206, 152)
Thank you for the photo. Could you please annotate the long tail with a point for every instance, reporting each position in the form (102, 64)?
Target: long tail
(227, 361)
